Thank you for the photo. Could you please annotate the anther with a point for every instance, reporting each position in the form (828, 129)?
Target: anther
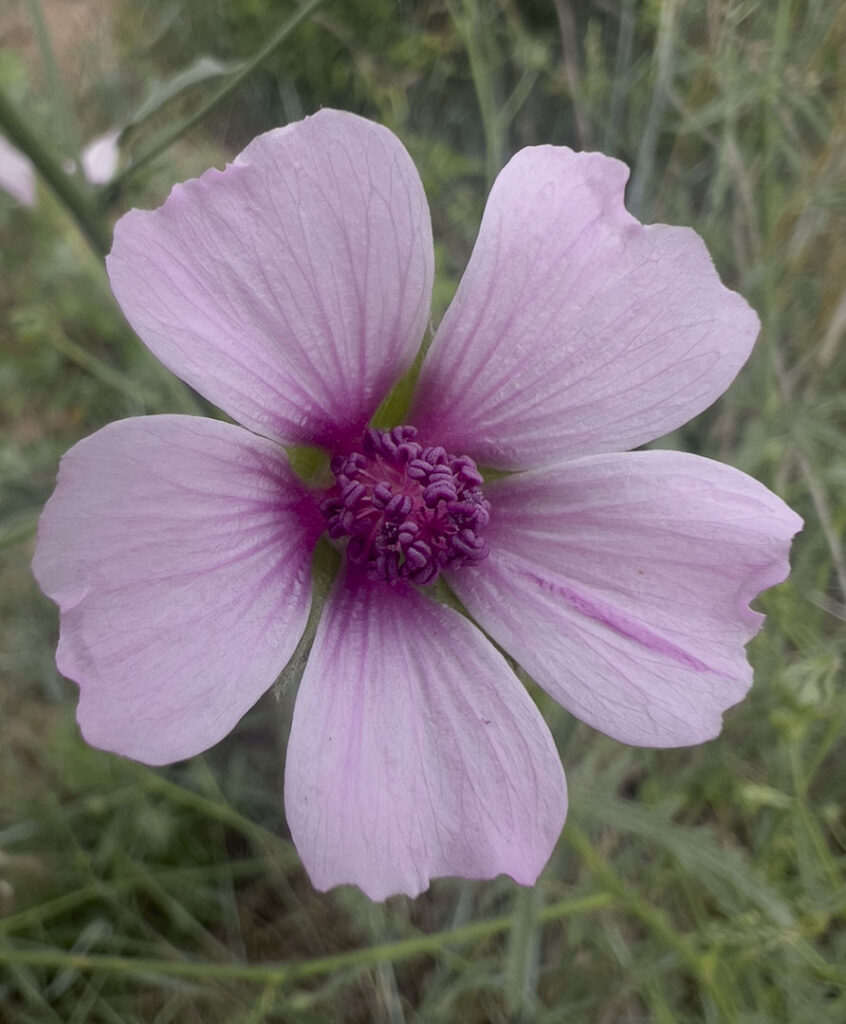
(406, 510)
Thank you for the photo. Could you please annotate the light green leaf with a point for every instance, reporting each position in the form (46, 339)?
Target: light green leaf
(162, 92)
(715, 866)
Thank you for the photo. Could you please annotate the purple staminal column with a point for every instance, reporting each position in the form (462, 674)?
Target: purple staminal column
(409, 511)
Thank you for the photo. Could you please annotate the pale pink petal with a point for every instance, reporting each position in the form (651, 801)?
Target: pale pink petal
(293, 288)
(179, 551)
(621, 583)
(100, 158)
(575, 329)
(17, 175)
(415, 752)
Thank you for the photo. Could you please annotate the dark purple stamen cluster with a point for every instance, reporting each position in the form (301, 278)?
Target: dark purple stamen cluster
(409, 511)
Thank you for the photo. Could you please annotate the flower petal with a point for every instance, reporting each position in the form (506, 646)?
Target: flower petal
(415, 752)
(575, 329)
(293, 288)
(17, 175)
(621, 583)
(179, 551)
(101, 157)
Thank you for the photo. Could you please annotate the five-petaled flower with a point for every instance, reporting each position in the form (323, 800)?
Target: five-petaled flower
(292, 290)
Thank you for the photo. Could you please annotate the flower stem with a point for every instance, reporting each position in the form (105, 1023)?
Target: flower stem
(283, 973)
(223, 93)
(73, 196)
(653, 917)
(64, 121)
(522, 971)
(468, 20)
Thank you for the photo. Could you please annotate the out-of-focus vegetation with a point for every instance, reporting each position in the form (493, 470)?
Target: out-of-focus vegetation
(701, 884)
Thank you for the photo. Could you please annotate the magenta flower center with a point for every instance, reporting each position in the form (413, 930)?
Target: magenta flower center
(409, 511)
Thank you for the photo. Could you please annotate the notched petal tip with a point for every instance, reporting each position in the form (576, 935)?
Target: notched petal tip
(575, 329)
(415, 753)
(783, 524)
(622, 584)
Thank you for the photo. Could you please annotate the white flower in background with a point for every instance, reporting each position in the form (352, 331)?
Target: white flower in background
(99, 161)
(17, 175)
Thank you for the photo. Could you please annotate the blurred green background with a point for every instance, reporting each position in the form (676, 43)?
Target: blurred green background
(695, 885)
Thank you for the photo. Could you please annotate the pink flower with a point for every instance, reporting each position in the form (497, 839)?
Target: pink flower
(17, 175)
(99, 161)
(100, 158)
(292, 290)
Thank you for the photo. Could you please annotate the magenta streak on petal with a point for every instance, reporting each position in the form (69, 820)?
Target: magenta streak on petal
(604, 614)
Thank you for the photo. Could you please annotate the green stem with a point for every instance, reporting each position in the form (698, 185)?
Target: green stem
(467, 17)
(521, 976)
(17, 527)
(652, 916)
(37, 915)
(223, 93)
(70, 193)
(100, 369)
(282, 973)
(63, 115)
(282, 852)
(649, 136)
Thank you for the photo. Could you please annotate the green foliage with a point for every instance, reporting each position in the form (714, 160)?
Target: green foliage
(690, 885)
